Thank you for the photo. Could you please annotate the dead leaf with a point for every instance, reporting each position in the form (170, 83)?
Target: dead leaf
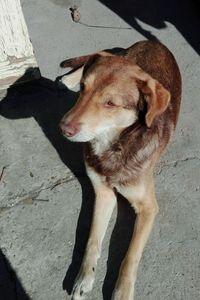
(75, 13)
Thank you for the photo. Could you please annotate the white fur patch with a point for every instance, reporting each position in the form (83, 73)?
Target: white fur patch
(94, 176)
(132, 192)
(103, 141)
(72, 79)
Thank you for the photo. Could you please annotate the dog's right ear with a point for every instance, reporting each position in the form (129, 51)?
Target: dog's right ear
(79, 61)
(80, 64)
(75, 62)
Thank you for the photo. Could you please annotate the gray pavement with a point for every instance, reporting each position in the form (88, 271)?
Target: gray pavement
(45, 198)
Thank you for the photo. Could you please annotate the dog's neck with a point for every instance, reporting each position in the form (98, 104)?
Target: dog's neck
(104, 141)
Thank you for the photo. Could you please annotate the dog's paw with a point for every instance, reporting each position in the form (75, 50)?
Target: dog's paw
(83, 285)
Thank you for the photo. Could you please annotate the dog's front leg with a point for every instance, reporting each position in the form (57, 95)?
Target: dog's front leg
(104, 205)
(146, 209)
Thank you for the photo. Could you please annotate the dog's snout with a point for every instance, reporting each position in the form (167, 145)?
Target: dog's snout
(69, 129)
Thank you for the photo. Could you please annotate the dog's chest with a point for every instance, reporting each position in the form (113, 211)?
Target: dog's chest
(113, 165)
(123, 162)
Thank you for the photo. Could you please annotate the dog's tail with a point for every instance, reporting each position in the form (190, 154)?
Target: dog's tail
(75, 62)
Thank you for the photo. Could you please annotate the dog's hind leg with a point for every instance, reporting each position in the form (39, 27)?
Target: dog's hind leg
(145, 205)
(104, 205)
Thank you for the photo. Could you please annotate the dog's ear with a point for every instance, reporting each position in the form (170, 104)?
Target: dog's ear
(80, 64)
(75, 62)
(156, 96)
(79, 61)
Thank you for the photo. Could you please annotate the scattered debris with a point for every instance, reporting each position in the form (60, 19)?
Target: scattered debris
(75, 13)
(32, 197)
(2, 171)
(41, 200)
(76, 17)
(31, 200)
(61, 181)
(3, 208)
(27, 200)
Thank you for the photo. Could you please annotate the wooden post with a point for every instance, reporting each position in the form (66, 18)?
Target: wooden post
(17, 60)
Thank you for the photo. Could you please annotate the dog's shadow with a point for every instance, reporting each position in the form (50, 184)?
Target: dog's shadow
(43, 100)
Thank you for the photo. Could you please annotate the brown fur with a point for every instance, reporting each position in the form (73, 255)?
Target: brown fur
(122, 158)
(142, 84)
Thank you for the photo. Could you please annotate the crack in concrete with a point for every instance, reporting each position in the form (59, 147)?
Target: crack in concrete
(183, 241)
(32, 196)
(175, 163)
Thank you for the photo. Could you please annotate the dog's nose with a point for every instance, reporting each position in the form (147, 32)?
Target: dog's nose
(69, 129)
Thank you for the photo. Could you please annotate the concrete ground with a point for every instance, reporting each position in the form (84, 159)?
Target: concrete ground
(45, 198)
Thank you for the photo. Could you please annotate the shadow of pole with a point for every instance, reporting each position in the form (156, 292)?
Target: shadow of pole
(10, 285)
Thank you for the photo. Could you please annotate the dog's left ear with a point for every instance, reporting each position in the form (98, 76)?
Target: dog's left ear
(156, 96)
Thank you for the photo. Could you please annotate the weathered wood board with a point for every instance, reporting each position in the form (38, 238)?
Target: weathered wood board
(17, 58)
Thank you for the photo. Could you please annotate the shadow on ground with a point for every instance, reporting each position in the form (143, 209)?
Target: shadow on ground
(184, 15)
(43, 100)
(10, 286)
(119, 243)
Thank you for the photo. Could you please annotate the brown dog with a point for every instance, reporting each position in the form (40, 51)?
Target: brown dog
(126, 114)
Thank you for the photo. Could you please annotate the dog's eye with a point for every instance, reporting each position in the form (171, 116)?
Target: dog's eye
(109, 104)
(82, 86)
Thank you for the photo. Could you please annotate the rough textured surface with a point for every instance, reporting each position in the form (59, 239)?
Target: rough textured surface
(46, 200)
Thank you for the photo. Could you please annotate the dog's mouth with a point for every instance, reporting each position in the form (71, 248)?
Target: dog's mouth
(75, 133)
(80, 137)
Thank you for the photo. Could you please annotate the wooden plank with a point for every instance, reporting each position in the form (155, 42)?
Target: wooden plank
(16, 52)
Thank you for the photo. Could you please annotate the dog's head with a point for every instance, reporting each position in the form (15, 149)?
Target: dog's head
(110, 95)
